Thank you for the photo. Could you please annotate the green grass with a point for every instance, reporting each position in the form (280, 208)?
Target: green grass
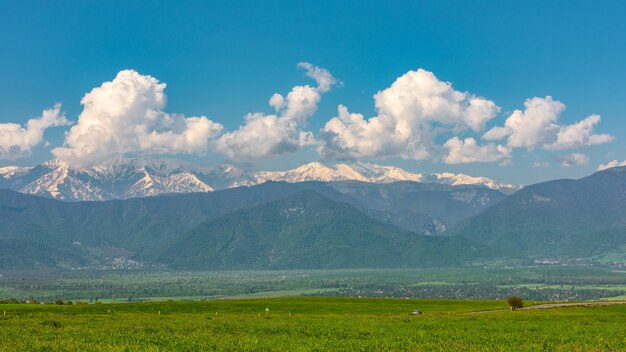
(264, 294)
(310, 324)
(618, 255)
(617, 298)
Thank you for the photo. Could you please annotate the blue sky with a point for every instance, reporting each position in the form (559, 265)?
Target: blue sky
(223, 60)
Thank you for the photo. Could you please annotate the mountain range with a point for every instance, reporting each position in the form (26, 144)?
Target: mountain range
(130, 178)
(191, 231)
(319, 224)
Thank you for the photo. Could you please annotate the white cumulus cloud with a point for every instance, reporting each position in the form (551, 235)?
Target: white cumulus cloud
(270, 135)
(574, 159)
(321, 76)
(537, 127)
(126, 116)
(414, 116)
(580, 134)
(418, 96)
(17, 141)
(457, 151)
(410, 113)
(351, 136)
(610, 164)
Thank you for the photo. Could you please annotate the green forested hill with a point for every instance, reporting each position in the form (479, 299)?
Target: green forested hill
(28, 254)
(134, 227)
(55, 233)
(569, 218)
(308, 230)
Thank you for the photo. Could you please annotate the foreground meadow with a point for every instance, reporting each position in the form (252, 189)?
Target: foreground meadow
(311, 324)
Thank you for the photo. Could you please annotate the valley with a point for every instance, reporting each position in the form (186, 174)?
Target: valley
(538, 283)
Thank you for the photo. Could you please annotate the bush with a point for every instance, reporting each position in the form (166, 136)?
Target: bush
(9, 301)
(515, 302)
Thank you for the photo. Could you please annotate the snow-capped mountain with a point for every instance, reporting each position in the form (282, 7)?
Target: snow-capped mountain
(310, 172)
(447, 178)
(127, 178)
(116, 180)
(364, 172)
(9, 172)
(373, 173)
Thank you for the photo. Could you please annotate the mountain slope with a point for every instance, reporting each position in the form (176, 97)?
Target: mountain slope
(26, 254)
(40, 232)
(423, 208)
(308, 230)
(568, 218)
(137, 226)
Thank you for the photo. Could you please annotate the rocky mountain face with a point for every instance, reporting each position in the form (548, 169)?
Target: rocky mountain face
(424, 208)
(123, 179)
(119, 180)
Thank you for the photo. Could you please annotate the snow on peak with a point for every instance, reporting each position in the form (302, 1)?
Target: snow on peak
(118, 179)
(385, 174)
(314, 171)
(373, 173)
(55, 164)
(349, 173)
(9, 172)
(126, 178)
(462, 179)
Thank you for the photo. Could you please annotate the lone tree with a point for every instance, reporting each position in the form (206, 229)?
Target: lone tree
(515, 302)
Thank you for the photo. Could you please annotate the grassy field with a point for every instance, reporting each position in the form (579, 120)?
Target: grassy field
(310, 324)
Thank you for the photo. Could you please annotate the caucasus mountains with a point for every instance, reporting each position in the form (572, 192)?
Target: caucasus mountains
(123, 179)
(172, 215)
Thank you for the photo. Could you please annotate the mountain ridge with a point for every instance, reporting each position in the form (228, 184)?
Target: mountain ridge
(129, 178)
(306, 230)
(558, 218)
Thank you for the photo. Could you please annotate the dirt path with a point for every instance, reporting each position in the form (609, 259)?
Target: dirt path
(556, 305)
(584, 304)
